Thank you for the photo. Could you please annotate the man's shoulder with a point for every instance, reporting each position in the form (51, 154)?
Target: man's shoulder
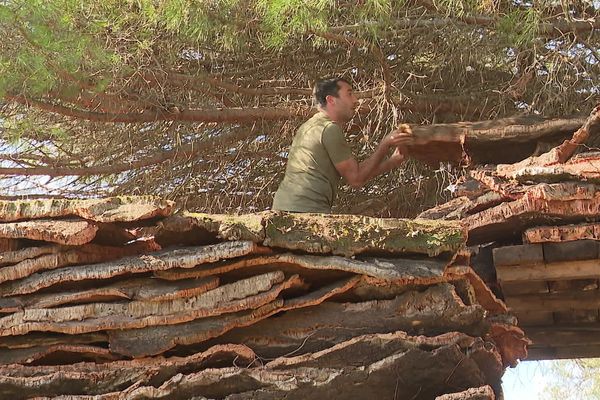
(320, 122)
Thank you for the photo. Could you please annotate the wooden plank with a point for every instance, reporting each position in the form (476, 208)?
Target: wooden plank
(576, 317)
(528, 254)
(571, 251)
(587, 269)
(534, 318)
(518, 288)
(563, 352)
(561, 335)
(575, 285)
(581, 300)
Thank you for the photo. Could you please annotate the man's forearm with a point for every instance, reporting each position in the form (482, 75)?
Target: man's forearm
(384, 166)
(372, 166)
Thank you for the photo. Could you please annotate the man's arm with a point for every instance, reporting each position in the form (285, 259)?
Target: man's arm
(357, 174)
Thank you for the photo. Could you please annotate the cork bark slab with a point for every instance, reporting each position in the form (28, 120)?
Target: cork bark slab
(90, 378)
(130, 289)
(67, 232)
(62, 257)
(177, 258)
(111, 209)
(395, 269)
(236, 296)
(437, 309)
(158, 339)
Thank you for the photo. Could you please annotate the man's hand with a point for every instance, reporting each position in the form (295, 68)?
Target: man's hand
(397, 157)
(400, 137)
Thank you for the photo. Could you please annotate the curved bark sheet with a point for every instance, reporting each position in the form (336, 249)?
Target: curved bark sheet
(510, 341)
(480, 393)
(90, 378)
(131, 289)
(460, 207)
(178, 258)
(564, 233)
(158, 339)
(67, 232)
(227, 227)
(112, 209)
(248, 293)
(436, 310)
(404, 371)
(582, 169)
(344, 235)
(541, 204)
(483, 294)
(589, 131)
(47, 339)
(68, 351)
(399, 270)
(16, 256)
(89, 253)
(479, 141)
(348, 235)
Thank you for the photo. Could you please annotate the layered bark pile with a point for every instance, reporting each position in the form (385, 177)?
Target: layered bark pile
(119, 299)
(535, 226)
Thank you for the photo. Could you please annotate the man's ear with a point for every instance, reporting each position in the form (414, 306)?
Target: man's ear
(330, 99)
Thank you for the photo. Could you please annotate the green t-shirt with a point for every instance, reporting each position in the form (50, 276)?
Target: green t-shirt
(311, 180)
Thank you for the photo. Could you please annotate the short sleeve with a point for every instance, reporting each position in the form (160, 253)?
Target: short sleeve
(335, 143)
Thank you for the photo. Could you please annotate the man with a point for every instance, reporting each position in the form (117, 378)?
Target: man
(320, 155)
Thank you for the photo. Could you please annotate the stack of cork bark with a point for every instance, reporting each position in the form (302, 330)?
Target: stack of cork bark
(118, 299)
(535, 229)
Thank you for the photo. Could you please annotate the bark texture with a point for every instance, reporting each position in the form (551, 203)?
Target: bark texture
(262, 306)
(542, 232)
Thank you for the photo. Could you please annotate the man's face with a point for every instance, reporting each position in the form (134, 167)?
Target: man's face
(345, 103)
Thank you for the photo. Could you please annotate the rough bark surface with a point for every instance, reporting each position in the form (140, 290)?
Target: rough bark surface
(263, 306)
(480, 393)
(68, 232)
(112, 209)
(542, 227)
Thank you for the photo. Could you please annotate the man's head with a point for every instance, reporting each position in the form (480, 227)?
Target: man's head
(336, 98)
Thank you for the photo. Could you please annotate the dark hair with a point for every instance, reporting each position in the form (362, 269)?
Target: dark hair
(327, 87)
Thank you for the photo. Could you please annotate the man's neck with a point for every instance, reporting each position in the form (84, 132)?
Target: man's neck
(333, 117)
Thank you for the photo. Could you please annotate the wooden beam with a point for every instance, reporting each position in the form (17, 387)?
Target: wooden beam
(564, 301)
(564, 352)
(534, 318)
(557, 336)
(530, 254)
(518, 288)
(586, 269)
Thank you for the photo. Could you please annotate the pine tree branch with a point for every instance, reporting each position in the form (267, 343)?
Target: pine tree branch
(556, 27)
(240, 115)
